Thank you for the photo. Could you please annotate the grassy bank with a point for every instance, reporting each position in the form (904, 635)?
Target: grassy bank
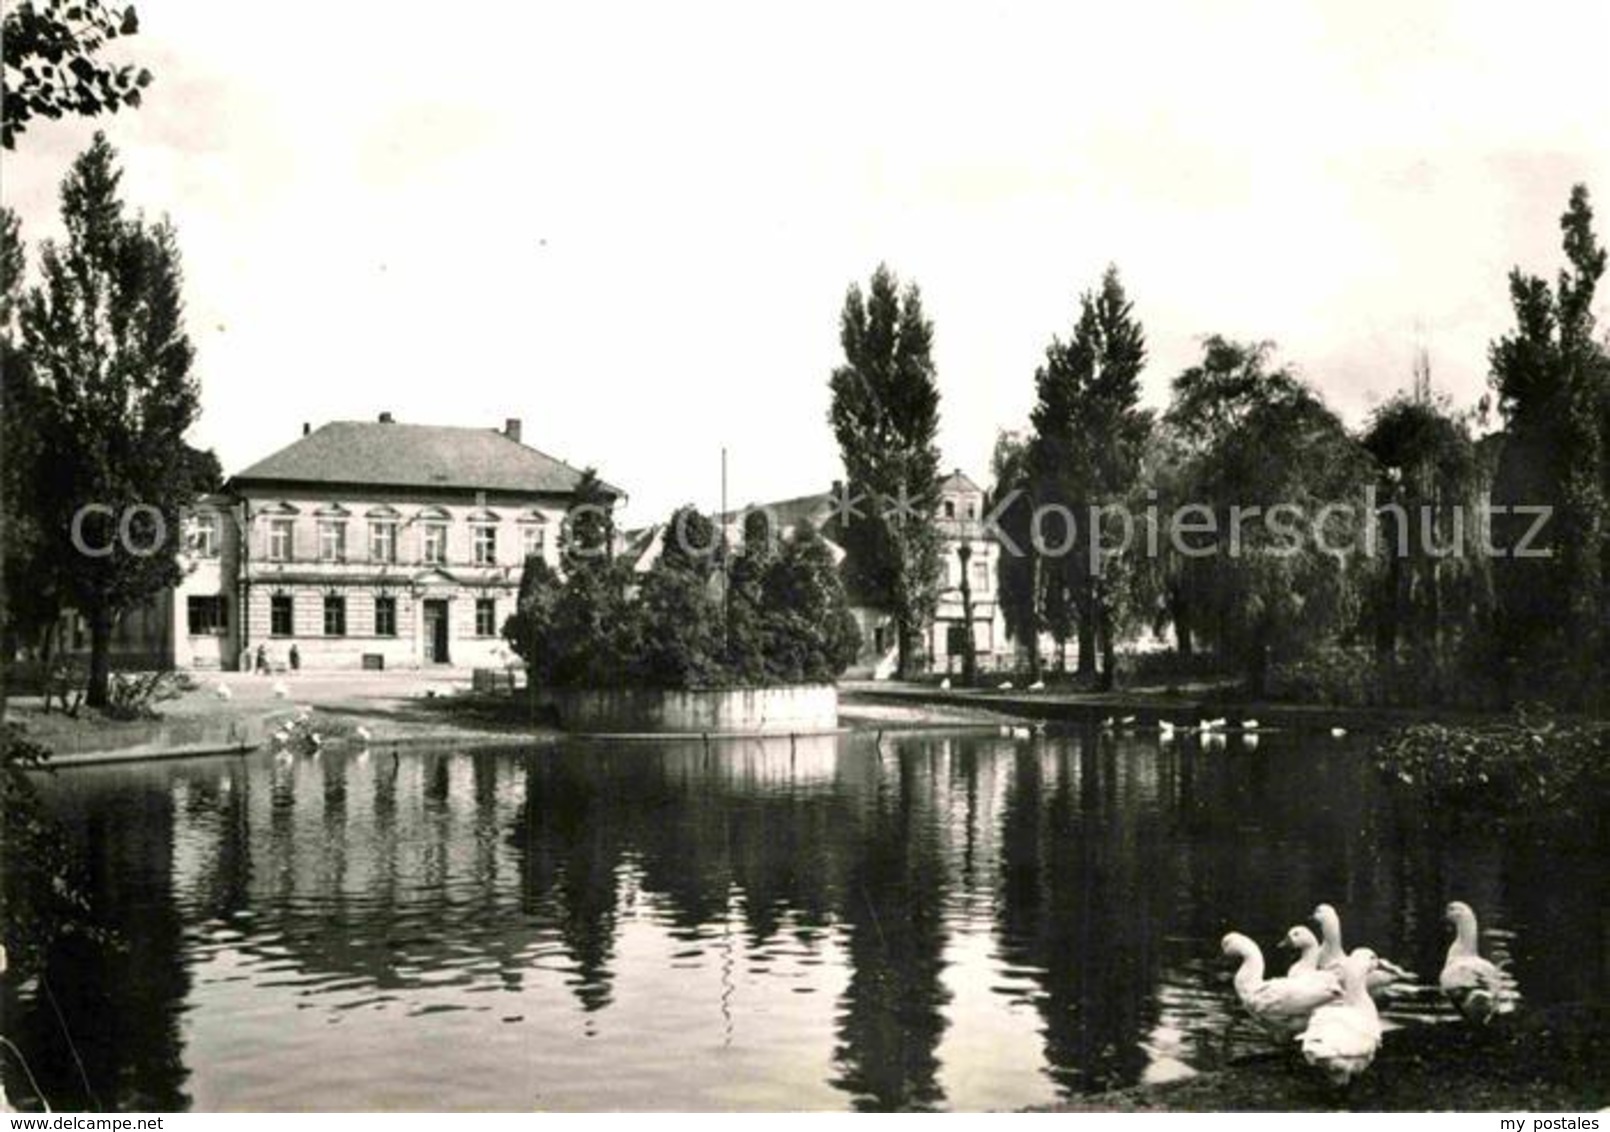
(1545, 1061)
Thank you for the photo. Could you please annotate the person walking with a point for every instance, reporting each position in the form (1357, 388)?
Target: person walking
(262, 660)
(296, 660)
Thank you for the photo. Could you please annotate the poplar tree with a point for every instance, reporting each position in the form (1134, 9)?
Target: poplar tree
(885, 416)
(104, 338)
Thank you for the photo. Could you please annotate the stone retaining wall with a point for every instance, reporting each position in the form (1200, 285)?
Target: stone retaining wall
(791, 710)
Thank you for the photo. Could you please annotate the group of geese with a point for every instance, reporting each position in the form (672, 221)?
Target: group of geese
(1326, 999)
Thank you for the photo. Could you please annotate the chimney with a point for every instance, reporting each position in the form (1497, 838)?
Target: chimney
(385, 418)
(306, 428)
(511, 429)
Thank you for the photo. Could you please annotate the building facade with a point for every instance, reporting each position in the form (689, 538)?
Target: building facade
(363, 545)
(967, 549)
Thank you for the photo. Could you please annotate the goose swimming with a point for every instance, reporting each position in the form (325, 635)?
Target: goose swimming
(1281, 1006)
(1474, 985)
(1382, 973)
(1342, 1038)
(1302, 941)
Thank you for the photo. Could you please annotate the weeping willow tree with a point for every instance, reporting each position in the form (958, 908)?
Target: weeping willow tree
(1433, 584)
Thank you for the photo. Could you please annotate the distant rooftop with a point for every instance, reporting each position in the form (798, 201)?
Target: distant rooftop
(384, 453)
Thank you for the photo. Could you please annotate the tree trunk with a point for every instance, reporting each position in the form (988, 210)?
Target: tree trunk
(1258, 670)
(46, 655)
(1087, 636)
(1109, 652)
(100, 658)
(1180, 613)
(969, 657)
(902, 644)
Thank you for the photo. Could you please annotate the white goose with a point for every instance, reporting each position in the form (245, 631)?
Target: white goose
(1281, 1006)
(1302, 941)
(1342, 1037)
(1382, 974)
(1475, 986)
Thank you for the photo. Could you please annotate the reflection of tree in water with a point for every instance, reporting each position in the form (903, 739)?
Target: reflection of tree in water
(1086, 894)
(572, 850)
(116, 1044)
(894, 901)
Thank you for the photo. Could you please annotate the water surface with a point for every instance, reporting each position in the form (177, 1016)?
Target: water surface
(953, 920)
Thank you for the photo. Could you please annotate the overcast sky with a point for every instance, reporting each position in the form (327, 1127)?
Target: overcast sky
(632, 225)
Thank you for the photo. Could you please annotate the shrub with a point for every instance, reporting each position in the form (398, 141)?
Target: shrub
(135, 695)
(1530, 764)
(42, 894)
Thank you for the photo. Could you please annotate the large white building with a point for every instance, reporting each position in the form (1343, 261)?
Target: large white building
(363, 544)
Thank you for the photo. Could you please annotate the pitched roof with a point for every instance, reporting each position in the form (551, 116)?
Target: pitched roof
(387, 454)
(788, 513)
(958, 481)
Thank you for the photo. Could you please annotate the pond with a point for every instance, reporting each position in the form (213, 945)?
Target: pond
(940, 920)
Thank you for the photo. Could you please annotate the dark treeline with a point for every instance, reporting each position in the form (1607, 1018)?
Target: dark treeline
(1413, 561)
(703, 615)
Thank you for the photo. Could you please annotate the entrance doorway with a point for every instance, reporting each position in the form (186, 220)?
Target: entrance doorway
(436, 631)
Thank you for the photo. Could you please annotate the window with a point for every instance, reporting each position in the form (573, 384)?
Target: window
(436, 543)
(332, 540)
(486, 545)
(206, 613)
(486, 617)
(385, 617)
(533, 541)
(204, 535)
(335, 615)
(980, 577)
(279, 615)
(279, 540)
(382, 541)
(950, 508)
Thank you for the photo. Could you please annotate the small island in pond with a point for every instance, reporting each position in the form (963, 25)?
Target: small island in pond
(706, 638)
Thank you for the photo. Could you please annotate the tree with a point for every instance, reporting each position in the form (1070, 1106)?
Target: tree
(529, 629)
(1550, 376)
(1432, 582)
(885, 416)
(105, 340)
(1017, 567)
(811, 635)
(746, 600)
(1271, 583)
(587, 535)
(29, 595)
(683, 639)
(1089, 434)
(51, 64)
(1209, 402)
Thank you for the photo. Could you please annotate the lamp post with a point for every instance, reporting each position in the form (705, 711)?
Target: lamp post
(964, 552)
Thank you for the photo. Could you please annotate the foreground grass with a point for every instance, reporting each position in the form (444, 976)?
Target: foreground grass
(1547, 1061)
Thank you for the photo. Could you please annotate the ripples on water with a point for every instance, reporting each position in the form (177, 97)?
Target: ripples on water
(953, 921)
